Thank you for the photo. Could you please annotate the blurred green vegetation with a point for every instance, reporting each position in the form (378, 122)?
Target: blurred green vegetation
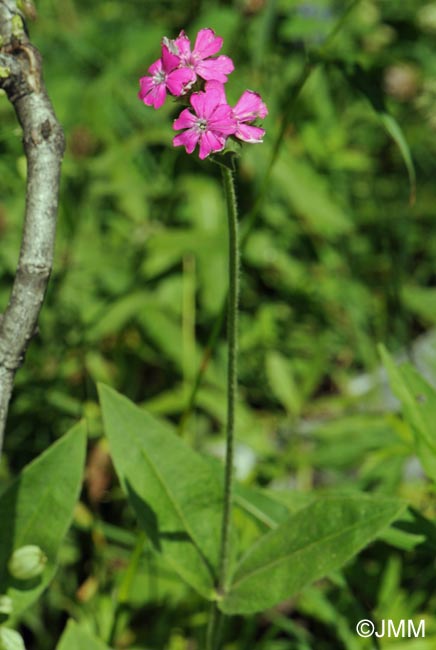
(339, 259)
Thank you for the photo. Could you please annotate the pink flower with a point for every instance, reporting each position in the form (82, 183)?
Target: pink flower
(165, 75)
(198, 60)
(248, 108)
(209, 126)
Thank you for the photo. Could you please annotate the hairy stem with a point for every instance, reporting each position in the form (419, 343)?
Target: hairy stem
(215, 617)
(232, 342)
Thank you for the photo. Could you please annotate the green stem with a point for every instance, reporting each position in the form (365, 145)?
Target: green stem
(126, 585)
(212, 627)
(215, 617)
(232, 335)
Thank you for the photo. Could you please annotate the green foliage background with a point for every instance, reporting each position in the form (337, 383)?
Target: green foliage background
(338, 261)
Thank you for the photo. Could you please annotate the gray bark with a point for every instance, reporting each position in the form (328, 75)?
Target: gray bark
(43, 140)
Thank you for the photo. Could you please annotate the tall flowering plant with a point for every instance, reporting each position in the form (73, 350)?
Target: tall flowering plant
(195, 77)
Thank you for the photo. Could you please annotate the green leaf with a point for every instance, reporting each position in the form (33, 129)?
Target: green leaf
(119, 314)
(164, 331)
(75, 637)
(369, 84)
(402, 539)
(311, 198)
(310, 544)
(174, 492)
(418, 401)
(421, 301)
(37, 508)
(282, 382)
(394, 130)
(261, 505)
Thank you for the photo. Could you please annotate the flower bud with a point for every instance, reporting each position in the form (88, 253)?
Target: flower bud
(10, 640)
(27, 562)
(5, 605)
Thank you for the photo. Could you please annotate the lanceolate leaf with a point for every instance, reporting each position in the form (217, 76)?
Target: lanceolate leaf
(418, 402)
(75, 638)
(266, 507)
(37, 509)
(175, 493)
(370, 85)
(310, 544)
(394, 130)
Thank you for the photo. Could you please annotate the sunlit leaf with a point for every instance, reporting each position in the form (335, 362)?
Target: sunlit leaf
(75, 637)
(418, 401)
(37, 508)
(307, 546)
(174, 492)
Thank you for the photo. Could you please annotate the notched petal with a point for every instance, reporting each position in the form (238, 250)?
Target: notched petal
(170, 61)
(215, 69)
(187, 139)
(155, 67)
(251, 134)
(218, 87)
(207, 43)
(210, 142)
(250, 106)
(185, 120)
(183, 44)
(201, 104)
(179, 80)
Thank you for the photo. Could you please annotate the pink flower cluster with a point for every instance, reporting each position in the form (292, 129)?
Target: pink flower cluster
(195, 73)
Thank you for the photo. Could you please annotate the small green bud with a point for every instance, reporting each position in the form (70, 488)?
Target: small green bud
(27, 562)
(10, 640)
(4, 72)
(5, 605)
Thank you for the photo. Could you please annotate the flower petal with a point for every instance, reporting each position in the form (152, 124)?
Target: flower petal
(185, 120)
(253, 134)
(210, 142)
(222, 120)
(183, 44)
(198, 103)
(207, 43)
(188, 139)
(249, 107)
(155, 67)
(160, 95)
(216, 69)
(179, 80)
(204, 103)
(145, 85)
(155, 96)
(218, 87)
(170, 61)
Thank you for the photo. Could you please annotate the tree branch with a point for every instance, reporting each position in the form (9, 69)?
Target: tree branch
(21, 78)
